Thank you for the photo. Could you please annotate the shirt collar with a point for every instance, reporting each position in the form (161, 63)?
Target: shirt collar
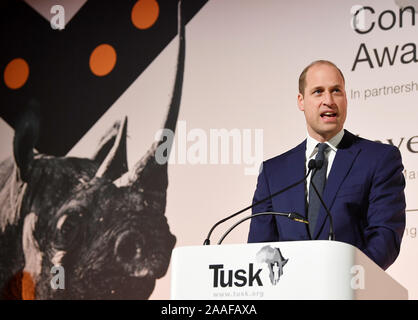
(333, 143)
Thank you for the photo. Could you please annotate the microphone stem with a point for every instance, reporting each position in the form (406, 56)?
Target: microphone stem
(331, 229)
(207, 241)
(288, 215)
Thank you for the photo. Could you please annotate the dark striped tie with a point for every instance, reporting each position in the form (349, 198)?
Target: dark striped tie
(319, 180)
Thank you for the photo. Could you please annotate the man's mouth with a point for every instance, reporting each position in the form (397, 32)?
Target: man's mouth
(328, 114)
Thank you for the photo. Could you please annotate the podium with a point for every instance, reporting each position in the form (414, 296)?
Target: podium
(297, 270)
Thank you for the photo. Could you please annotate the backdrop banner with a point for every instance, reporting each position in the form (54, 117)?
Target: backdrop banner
(130, 127)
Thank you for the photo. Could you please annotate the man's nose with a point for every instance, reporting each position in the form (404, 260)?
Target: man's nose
(328, 99)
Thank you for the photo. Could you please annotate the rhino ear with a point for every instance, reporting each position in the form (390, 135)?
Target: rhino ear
(115, 162)
(25, 138)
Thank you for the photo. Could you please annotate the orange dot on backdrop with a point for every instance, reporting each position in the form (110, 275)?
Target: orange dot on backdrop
(145, 13)
(102, 60)
(16, 73)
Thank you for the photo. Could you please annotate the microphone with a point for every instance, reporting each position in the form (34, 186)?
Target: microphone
(311, 166)
(292, 216)
(318, 165)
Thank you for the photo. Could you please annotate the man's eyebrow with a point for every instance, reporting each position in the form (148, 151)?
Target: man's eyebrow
(316, 88)
(338, 86)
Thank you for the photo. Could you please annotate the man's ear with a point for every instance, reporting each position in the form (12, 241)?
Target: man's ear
(301, 102)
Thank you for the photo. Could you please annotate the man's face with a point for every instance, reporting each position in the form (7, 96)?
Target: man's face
(324, 102)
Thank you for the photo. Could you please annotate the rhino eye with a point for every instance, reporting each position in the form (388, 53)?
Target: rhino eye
(68, 230)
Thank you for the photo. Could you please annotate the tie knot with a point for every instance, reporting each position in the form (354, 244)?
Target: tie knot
(322, 147)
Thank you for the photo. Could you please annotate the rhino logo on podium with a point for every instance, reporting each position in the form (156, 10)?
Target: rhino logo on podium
(274, 260)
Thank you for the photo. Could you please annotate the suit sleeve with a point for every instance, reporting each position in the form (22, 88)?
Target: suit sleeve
(262, 228)
(386, 213)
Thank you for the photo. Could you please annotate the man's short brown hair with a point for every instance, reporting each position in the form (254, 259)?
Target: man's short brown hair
(302, 77)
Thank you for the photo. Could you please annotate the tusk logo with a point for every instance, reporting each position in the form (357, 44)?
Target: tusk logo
(274, 260)
(251, 276)
(237, 278)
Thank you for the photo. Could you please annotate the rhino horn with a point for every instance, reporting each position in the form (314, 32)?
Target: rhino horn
(106, 143)
(115, 163)
(25, 138)
(148, 175)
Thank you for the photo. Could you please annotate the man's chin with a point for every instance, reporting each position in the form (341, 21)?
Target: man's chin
(328, 132)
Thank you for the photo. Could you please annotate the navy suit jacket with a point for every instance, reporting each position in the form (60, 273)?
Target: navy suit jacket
(364, 192)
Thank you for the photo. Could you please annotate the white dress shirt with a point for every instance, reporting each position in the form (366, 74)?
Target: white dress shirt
(312, 150)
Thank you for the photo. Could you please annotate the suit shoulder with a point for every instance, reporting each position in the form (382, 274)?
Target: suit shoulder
(375, 147)
(284, 156)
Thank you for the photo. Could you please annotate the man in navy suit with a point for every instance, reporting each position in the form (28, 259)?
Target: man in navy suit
(363, 180)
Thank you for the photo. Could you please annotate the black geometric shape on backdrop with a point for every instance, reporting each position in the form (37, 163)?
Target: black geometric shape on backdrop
(71, 97)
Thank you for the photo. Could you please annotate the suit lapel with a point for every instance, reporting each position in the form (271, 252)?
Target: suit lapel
(295, 168)
(343, 161)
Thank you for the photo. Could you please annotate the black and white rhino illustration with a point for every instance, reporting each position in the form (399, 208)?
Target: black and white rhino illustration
(103, 224)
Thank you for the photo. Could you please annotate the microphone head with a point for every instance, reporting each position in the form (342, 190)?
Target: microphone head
(312, 164)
